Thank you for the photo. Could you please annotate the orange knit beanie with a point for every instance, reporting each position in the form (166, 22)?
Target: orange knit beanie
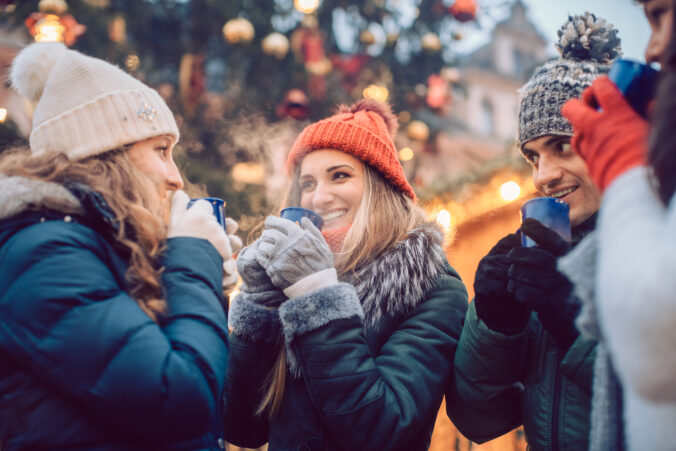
(363, 130)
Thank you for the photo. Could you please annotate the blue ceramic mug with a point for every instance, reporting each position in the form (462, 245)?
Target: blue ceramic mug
(551, 212)
(218, 206)
(295, 214)
(636, 81)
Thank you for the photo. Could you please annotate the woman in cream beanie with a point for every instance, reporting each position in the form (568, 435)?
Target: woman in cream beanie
(112, 332)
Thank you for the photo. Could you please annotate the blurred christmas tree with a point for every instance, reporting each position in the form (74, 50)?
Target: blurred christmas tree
(236, 71)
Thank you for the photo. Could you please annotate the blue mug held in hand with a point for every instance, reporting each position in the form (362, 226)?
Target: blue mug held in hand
(295, 214)
(218, 206)
(636, 81)
(551, 212)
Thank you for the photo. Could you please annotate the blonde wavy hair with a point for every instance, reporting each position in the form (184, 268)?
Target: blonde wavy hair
(141, 234)
(385, 217)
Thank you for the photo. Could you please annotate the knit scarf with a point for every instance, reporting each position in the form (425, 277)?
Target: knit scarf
(335, 237)
(607, 427)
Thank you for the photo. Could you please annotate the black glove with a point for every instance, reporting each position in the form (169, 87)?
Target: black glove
(495, 306)
(535, 282)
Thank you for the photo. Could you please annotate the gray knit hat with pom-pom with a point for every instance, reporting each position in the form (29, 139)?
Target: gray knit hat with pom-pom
(588, 45)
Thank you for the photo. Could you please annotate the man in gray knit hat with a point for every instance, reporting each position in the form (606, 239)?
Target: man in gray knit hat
(520, 359)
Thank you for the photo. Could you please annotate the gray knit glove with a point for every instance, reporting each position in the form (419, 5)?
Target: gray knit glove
(297, 259)
(255, 281)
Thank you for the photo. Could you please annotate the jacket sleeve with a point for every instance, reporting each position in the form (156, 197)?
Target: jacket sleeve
(485, 382)
(64, 313)
(636, 285)
(255, 343)
(363, 397)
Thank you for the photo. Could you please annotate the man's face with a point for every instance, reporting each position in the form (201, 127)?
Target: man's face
(559, 172)
(660, 15)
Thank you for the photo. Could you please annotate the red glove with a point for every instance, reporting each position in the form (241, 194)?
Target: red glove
(610, 140)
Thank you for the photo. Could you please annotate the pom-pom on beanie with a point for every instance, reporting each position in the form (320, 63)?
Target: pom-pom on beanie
(588, 45)
(85, 106)
(363, 130)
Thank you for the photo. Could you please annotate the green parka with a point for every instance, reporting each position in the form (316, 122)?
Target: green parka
(506, 381)
(362, 381)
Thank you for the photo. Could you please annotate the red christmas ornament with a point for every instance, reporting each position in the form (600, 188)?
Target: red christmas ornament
(295, 105)
(437, 92)
(463, 10)
(350, 67)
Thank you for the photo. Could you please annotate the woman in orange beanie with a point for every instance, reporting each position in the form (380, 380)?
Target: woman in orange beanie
(343, 339)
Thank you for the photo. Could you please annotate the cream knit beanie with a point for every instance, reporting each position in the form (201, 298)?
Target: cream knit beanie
(85, 106)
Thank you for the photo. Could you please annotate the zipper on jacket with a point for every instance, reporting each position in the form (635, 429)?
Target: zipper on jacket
(556, 402)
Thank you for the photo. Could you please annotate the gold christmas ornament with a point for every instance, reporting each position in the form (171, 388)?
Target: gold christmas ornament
(367, 38)
(117, 30)
(98, 3)
(238, 31)
(450, 74)
(53, 6)
(275, 44)
(418, 130)
(306, 6)
(430, 42)
(377, 93)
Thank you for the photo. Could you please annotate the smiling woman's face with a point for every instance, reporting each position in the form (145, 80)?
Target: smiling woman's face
(332, 185)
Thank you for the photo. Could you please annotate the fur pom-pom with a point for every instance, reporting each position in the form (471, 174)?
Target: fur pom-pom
(31, 67)
(588, 38)
(382, 109)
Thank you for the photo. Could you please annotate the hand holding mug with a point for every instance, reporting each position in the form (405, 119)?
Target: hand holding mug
(197, 222)
(292, 254)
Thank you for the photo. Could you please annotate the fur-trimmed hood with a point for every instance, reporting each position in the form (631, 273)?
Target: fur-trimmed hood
(397, 281)
(20, 194)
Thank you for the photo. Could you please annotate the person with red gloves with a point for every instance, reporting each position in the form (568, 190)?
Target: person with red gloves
(629, 298)
(520, 359)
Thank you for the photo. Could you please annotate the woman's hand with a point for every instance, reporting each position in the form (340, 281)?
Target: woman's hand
(197, 222)
(611, 140)
(255, 281)
(297, 259)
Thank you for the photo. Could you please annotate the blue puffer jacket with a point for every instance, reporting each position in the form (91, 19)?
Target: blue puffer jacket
(81, 365)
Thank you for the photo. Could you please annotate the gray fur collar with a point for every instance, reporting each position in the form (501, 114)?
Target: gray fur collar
(19, 194)
(397, 281)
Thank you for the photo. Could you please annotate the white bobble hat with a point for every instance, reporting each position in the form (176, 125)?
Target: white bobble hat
(85, 106)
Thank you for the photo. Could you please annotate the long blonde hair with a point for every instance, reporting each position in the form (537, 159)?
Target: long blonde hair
(385, 217)
(141, 235)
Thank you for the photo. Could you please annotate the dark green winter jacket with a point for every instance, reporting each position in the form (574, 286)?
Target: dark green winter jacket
(369, 360)
(504, 381)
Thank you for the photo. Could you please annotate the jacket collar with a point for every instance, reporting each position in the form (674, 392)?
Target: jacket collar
(20, 194)
(397, 281)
